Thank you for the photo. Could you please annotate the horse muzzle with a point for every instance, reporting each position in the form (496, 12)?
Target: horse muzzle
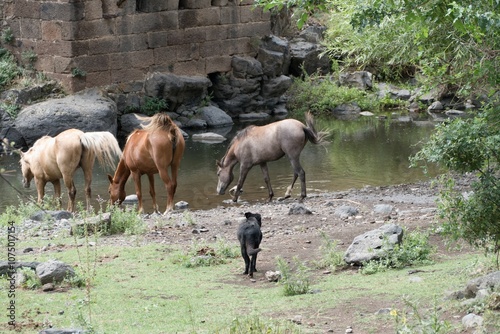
(221, 189)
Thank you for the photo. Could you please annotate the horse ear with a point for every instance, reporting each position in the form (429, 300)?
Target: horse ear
(110, 178)
(217, 162)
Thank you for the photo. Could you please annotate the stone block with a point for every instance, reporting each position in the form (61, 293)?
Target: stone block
(63, 64)
(220, 3)
(190, 67)
(73, 11)
(95, 63)
(93, 10)
(210, 49)
(26, 9)
(51, 31)
(217, 64)
(230, 15)
(92, 29)
(129, 43)
(158, 39)
(187, 52)
(144, 23)
(169, 20)
(195, 4)
(152, 6)
(165, 56)
(105, 45)
(128, 74)
(31, 29)
(216, 33)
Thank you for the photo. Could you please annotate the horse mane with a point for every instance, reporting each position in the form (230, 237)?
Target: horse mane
(162, 122)
(239, 136)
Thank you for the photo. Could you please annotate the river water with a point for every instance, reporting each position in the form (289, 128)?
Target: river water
(364, 152)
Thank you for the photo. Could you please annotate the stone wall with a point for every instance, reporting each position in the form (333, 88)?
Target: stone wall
(88, 43)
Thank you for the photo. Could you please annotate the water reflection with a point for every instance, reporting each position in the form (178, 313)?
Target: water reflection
(363, 152)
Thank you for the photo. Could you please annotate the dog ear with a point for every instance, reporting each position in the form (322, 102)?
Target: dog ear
(248, 215)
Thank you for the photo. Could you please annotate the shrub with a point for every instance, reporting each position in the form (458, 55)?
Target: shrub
(153, 105)
(294, 282)
(9, 70)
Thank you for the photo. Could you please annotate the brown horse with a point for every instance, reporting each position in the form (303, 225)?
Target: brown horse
(256, 145)
(150, 151)
(53, 158)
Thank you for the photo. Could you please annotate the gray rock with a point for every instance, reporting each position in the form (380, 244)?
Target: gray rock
(359, 79)
(214, 116)
(181, 205)
(5, 266)
(62, 331)
(88, 111)
(472, 320)
(489, 282)
(51, 215)
(346, 211)
(374, 244)
(299, 209)
(208, 137)
(383, 209)
(54, 271)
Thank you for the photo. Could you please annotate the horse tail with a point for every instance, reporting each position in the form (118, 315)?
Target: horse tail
(314, 136)
(103, 145)
(252, 251)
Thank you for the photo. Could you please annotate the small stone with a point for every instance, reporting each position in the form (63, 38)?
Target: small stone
(48, 287)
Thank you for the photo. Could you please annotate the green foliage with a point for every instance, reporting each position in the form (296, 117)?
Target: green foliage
(204, 255)
(255, 325)
(10, 108)
(77, 72)
(126, 220)
(332, 257)
(294, 282)
(31, 280)
(415, 321)
(29, 57)
(9, 70)
(19, 213)
(153, 105)
(321, 95)
(7, 36)
(303, 9)
(414, 250)
(469, 146)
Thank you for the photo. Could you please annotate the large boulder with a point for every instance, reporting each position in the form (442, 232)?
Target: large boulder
(374, 244)
(214, 117)
(177, 90)
(88, 111)
(54, 271)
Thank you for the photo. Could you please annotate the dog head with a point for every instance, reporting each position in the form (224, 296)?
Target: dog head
(255, 216)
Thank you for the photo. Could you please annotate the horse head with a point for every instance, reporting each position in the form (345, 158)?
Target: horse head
(26, 169)
(225, 175)
(116, 192)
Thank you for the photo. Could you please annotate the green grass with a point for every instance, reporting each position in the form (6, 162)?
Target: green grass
(140, 289)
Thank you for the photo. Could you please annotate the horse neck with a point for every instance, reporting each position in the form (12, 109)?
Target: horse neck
(122, 173)
(230, 159)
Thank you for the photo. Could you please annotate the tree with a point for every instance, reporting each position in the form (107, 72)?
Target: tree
(469, 146)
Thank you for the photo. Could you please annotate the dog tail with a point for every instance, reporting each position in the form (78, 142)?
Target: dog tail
(252, 251)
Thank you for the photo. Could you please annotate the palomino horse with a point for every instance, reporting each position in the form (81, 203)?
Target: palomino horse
(150, 151)
(53, 158)
(256, 145)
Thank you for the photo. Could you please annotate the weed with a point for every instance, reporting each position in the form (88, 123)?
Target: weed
(414, 250)
(77, 72)
(127, 221)
(11, 109)
(414, 321)
(255, 325)
(153, 105)
(7, 36)
(332, 258)
(30, 57)
(8, 70)
(294, 283)
(31, 280)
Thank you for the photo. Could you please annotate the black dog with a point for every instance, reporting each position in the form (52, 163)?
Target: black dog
(250, 236)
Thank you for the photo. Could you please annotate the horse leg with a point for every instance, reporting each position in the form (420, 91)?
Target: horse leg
(265, 172)
(170, 185)
(152, 192)
(87, 165)
(57, 192)
(138, 191)
(68, 182)
(298, 171)
(40, 189)
(243, 174)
